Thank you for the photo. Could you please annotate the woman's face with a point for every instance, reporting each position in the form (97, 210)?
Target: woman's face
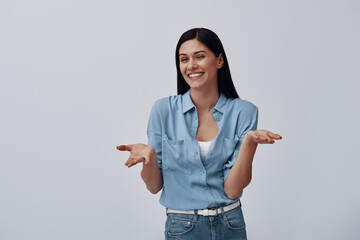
(199, 65)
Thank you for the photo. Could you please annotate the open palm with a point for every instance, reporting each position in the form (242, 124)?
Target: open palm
(262, 136)
(138, 153)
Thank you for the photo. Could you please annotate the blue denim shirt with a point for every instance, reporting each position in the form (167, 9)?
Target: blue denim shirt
(190, 183)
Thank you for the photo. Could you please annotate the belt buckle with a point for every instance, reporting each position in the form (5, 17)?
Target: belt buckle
(206, 212)
(210, 212)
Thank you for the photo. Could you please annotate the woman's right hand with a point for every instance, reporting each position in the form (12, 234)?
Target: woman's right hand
(138, 153)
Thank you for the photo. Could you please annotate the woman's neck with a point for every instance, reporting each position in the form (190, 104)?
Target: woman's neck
(205, 100)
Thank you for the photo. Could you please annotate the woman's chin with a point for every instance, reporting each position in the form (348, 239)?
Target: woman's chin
(195, 84)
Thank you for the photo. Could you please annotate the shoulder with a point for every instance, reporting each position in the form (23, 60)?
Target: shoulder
(166, 104)
(245, 114)
(241, 106)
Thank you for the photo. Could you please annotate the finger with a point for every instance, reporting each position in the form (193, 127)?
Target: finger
(274, 135)
(268, 138)
(131, 158)
(264, 139)
(135, 161)
(268, 141)
(124, 147)
(132, 163)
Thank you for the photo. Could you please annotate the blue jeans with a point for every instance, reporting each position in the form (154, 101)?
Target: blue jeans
(227, 226)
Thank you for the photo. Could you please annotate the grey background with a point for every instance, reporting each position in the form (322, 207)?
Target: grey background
(80, 77)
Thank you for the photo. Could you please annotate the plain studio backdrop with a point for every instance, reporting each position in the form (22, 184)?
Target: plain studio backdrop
(79, 78)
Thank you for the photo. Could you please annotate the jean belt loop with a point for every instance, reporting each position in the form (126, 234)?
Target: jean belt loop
(223, 213)
(196, 215)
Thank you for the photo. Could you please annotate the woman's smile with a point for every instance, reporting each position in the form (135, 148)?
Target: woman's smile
(195, 76)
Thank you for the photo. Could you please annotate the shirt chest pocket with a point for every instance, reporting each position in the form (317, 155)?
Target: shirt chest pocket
(228, 148)
(175, 155)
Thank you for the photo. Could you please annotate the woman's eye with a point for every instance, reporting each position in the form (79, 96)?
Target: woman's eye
(200, 56)
(183, 59)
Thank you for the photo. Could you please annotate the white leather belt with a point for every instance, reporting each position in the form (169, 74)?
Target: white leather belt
(206, 212)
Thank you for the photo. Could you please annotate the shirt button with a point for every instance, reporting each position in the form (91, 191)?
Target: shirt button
(196, 153)
(206, 188)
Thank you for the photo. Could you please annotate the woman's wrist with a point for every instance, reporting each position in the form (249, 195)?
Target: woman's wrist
(151, 150)
(249, 141)
(152, 154)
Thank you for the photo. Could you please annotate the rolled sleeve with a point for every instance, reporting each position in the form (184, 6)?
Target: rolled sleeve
(154, 133)
(249, 121)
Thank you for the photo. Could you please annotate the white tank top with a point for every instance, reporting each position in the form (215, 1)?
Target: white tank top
(204, 148)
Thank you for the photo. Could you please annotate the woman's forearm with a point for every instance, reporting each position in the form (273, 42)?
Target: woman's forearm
(151, 174)
(240, 174)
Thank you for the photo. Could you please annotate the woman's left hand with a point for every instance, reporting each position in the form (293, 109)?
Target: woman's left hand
(261, 136)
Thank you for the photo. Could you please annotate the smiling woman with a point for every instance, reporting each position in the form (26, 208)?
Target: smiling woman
(199, 65)
(201, 144)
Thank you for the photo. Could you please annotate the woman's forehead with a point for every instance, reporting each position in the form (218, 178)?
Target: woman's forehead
(192, 46)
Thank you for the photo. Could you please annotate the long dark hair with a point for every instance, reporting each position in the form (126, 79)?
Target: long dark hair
(212, 41)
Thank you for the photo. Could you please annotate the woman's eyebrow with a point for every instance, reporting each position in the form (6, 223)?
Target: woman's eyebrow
(194, 52)
(200, 51)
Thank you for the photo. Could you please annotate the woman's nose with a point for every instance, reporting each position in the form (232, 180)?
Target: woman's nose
(192, 65)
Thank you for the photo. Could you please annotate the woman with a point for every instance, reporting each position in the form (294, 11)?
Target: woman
(201, 144)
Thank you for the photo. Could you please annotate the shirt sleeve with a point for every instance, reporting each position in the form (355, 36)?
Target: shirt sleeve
(248, 121)
(154, 133)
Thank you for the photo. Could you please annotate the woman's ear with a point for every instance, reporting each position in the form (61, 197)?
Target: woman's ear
(220, 61)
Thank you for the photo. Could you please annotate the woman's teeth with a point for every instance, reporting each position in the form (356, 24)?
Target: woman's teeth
(192, 75)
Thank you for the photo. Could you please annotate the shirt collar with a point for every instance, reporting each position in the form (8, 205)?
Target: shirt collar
(187, 103)
(221, 103)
